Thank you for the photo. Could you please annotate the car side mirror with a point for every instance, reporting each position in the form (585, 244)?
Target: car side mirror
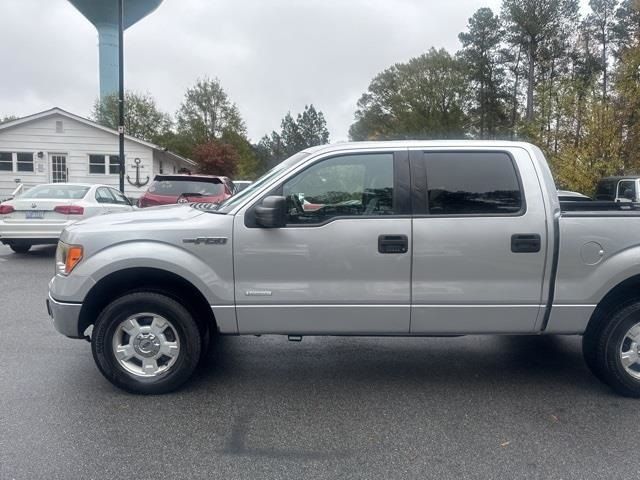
(272, 212)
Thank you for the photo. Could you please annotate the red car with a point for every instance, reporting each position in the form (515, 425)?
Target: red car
(168, 189)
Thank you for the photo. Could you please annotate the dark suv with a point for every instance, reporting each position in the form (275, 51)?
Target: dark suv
(168, 189)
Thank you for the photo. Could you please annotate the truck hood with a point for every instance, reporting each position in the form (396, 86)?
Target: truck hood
(174, 238)
(137, 219)
(170, 224)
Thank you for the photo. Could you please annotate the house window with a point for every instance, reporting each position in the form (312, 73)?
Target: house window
(59, 126)
(96, 164)
(114, 164)
(6, 162)
(104, 164)
(25, 161)
(161, 169)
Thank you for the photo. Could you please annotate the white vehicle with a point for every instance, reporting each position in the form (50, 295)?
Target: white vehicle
(38, 216)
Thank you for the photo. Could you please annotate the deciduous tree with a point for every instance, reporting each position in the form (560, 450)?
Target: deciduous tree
(216, 158)
(423, 98)
(206, 113)
(142, 117)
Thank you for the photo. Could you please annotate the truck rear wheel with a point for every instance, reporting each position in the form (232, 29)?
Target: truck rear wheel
(146, 343)
(612, 350)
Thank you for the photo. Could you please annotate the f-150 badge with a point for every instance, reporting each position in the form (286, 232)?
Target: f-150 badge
(206, 240)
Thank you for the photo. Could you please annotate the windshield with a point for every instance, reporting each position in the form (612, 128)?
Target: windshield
(234, 201)
(61, 191)
(179, 187)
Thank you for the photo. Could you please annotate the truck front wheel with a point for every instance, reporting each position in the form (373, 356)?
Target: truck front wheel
(612, 350)
(146, 343)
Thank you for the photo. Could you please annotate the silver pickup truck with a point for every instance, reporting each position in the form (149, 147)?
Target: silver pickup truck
(392, 238)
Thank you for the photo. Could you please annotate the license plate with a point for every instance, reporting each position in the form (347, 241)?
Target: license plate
(34, 214)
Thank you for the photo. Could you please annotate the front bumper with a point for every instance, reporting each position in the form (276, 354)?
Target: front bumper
(65, 316)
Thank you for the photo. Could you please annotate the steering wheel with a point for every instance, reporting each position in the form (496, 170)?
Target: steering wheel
(297, 204)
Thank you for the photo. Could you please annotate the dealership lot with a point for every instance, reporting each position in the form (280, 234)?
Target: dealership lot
(472, 407)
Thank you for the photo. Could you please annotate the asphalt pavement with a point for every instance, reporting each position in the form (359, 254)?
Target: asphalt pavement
(362, 408)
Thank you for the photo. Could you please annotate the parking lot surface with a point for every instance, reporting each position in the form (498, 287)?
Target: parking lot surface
(370, 408)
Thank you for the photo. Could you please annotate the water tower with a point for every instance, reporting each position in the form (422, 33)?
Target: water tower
(104, 16)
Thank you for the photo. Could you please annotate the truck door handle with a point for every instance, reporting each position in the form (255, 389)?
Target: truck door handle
(393, 244)
(525, 243)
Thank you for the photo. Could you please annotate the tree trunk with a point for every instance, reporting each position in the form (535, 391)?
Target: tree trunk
(579, 120)
(483, 106)
(516, 84)
(604, 66)
(550, 100)
(531, 80)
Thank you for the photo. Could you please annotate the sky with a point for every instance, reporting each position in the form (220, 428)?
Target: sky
(271, 56)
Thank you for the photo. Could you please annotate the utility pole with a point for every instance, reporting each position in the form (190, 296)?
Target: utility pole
(121, 90)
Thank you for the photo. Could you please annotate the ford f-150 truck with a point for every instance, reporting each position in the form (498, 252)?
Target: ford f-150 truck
(408, 238)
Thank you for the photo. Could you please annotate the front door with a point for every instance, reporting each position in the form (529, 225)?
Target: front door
(58, 168)
(342, 264)
(479, 242)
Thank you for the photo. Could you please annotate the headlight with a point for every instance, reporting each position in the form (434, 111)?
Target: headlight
(67, 257)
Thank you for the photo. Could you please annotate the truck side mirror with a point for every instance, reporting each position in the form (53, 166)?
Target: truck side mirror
(272, 212)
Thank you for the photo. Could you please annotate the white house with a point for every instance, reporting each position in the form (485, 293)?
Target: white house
(58, 146)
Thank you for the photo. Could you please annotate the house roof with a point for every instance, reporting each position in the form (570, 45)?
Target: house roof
(90, 123)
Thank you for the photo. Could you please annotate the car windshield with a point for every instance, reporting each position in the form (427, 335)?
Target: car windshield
(73, 192)
(176, 187)
(234, 201)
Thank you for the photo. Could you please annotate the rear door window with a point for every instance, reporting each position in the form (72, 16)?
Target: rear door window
(472, 183)
(606, 190)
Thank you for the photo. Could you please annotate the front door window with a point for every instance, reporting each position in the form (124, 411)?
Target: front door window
(58, 168)
(345, 186)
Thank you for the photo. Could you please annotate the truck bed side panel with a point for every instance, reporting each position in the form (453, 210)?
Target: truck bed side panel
(597, 252)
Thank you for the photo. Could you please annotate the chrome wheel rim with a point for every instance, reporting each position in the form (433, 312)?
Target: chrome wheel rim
(630, 351)
(146, 344)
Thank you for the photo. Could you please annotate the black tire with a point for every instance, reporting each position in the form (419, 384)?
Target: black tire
(119, 310)
(207, 344)
(601, 348)
(20, 247)
(590, 343)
